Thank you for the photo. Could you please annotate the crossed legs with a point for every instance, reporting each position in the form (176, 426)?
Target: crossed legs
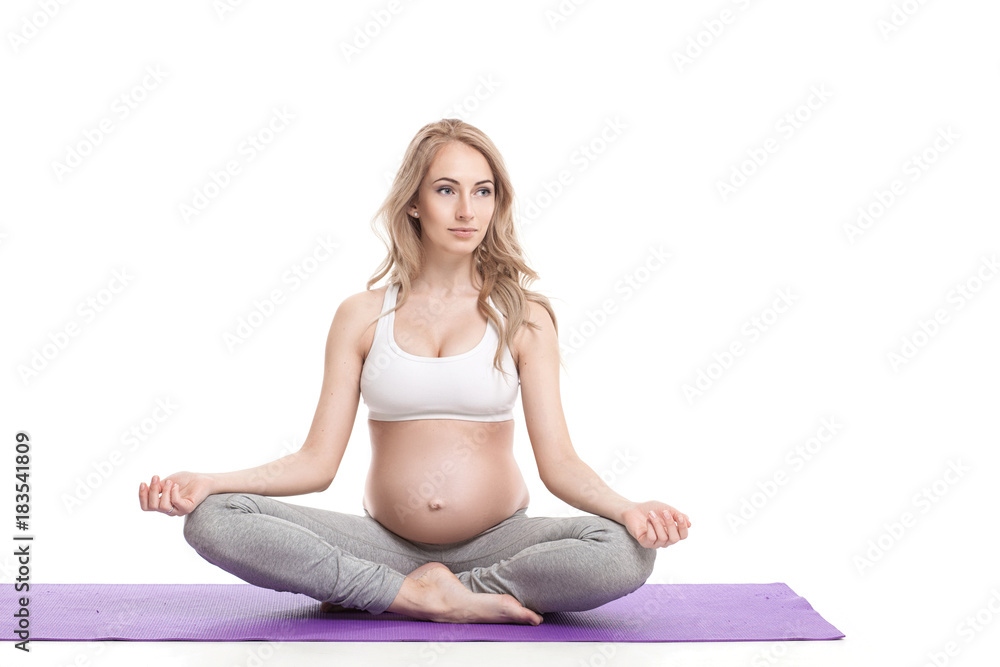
(544, 563)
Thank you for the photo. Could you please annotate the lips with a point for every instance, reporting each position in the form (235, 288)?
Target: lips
(461, 229)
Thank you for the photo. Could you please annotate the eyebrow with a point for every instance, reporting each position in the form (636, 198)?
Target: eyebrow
(452, 180)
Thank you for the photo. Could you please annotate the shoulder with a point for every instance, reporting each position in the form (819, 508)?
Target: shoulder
(365, 300)
(530, 341)
(362, 305)
(357, 314)
(540, 316)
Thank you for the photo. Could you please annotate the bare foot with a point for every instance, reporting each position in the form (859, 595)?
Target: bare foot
(433, 593)
(426, 567)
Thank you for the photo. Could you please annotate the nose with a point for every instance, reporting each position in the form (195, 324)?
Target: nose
(465, 211)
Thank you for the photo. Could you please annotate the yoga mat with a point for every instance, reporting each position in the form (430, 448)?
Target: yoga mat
(241, 612)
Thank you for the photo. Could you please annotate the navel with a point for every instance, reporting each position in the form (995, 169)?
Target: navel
(435, 504)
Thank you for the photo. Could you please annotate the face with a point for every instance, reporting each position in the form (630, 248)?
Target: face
(457, 192)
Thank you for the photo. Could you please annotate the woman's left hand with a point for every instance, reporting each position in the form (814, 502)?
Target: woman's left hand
(654, 524)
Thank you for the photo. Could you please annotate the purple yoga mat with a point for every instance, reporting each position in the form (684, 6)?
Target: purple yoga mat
(241, 612)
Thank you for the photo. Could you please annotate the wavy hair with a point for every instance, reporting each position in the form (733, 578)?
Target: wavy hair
(498, 259)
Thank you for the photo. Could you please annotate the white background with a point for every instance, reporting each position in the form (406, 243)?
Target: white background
(554, 86)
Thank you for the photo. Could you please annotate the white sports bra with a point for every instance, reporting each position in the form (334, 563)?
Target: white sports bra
(398, 386)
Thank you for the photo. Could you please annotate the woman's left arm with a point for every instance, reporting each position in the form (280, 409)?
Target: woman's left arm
(652, 523)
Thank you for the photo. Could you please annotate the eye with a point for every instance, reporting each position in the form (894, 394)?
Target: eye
(487, 192)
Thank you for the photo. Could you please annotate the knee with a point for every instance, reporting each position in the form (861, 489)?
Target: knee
(203, 522)
(646, 559)
(633, 562)
(247, 503)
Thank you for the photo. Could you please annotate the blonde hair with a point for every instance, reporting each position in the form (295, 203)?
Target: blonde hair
(499, 261)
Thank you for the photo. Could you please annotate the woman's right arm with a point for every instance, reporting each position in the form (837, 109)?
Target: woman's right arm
(304, 471)
(315, 465)
(179, 493)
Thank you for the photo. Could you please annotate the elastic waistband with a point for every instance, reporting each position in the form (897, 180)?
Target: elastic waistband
(521, 513)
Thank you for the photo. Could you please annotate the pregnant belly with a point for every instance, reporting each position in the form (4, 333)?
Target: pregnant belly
(430, 482)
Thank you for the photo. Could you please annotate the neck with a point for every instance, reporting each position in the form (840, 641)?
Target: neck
(447, 275)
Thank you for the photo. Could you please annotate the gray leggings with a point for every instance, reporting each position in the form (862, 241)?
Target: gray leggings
(546, 563)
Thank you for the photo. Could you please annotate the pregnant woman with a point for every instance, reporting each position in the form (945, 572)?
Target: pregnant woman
(438, 355)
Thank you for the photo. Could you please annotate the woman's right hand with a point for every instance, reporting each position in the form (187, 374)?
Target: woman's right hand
(175, 495)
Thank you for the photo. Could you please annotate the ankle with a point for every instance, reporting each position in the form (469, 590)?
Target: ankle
(409, 598)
